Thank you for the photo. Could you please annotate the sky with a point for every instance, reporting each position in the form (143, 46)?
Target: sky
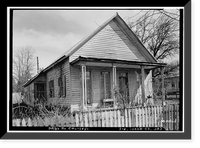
(52, 32)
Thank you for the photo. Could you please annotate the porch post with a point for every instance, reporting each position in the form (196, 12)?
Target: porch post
(143, 89)
(114, 84)
(83, 71)
(163, 85)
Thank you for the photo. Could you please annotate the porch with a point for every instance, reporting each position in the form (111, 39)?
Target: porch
(129, 79)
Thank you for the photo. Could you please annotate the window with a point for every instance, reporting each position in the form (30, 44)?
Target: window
(51, 88)
(105, 85)
(62, 86)
(173, 84)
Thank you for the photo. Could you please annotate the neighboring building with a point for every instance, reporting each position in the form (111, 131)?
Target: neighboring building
(172, 86)
(87, 73)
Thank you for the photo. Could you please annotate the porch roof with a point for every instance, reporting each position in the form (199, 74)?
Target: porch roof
(89, 61)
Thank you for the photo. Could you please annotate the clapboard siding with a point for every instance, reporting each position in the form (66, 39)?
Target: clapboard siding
(75, 74)
(54, 74)
(111, 43)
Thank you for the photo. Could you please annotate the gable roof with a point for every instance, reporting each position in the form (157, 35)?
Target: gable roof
(123, 26)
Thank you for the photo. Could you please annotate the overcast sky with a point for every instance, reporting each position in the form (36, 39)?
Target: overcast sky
(53, 32)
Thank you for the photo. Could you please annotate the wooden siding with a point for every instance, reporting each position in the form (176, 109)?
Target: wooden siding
(111, 43)
(76, 93)
(54, 74)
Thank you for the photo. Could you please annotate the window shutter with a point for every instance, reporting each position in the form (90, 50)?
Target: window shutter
(64, 85)
(53, 87)
(59, 84)
(49, 89)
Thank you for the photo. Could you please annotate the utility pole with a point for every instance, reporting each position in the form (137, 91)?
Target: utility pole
(37, 65)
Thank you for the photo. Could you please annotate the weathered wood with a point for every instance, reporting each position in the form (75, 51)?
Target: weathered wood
(81, 120)
(136, 118)
(35, 122)
(143, 118)
(163, 85)
(94, 119)
(86, 119)
(90, 119)
(29, 122)
(23, 122)
(115, 118)
(172, 117)
(146, 118)
(77, 120)
(99, 120)
(175, 113)
(142, 86)
(126, 118)
(118, 118)
(129, 117)
(17, 122)
(40, 122)
(111, 119)
(155, 116)
(105, 41)
(103, 119)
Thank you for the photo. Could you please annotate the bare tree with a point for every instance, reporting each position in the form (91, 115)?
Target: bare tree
(158, 31)
(23, 66)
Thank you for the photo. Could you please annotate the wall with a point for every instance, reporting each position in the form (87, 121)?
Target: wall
(54, 74)
(134, 87)
(110, 43)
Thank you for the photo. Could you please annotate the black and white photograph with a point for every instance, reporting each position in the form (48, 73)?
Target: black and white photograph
(96, 70)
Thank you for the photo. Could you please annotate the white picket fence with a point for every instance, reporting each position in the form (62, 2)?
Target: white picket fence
(150, 116)
(129, 117)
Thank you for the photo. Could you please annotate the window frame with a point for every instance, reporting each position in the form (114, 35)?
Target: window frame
(51, 89)
(62, 86)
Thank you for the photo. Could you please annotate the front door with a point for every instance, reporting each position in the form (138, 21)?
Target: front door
(123, 85)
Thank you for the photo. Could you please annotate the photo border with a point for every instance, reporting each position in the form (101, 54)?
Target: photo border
(121, 135)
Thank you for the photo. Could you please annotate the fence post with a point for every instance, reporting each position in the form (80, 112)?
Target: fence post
(155, 116)
(77, 121)
(103, 122)
(94, 119)
(99, 119)
(23, 122)
(172, 117)
(90, 118)
(115, 118)
(143, 117)
(111, 118)
(136, 117)
(119, 118)
(17, 122)
(129, 117)
(81, 119)
(126, 118)
(29, 122)
(86, 119)
(107, 118)
(146, 117)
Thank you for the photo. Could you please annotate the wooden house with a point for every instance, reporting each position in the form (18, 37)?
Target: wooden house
(87, 74)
